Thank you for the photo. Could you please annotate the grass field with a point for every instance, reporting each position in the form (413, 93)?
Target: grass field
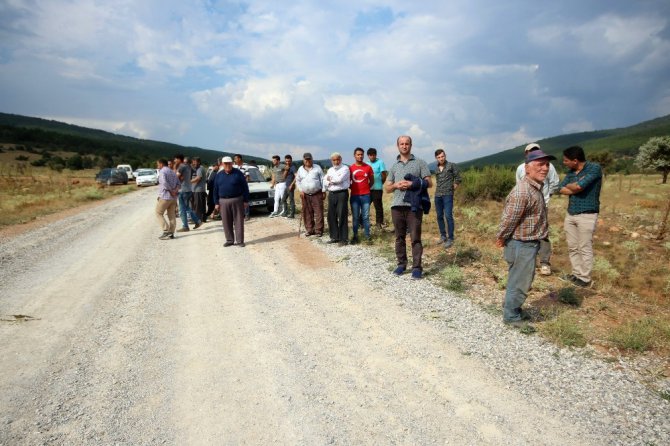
(27, 192)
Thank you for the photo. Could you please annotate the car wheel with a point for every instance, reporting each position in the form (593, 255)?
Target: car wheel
(125, 182)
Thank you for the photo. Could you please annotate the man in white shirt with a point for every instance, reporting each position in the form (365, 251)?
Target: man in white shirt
(337, 184)
(549, 187)
(310, 182)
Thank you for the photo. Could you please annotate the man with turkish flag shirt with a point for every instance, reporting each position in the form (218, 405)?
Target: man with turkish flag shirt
(362, 178)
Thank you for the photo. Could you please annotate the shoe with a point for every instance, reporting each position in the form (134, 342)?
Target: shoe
(309, 234)
(342, 243)
(443, 238)
(354, 241)
(568, 278)
(319, 235)
(227, 244)
(417, 274)
(448, 243)
(399, 270)
(332, 241)
(545, 269)
(183, 230)
(525, 316)
(166, 236)
(273, 215)
(581, 283)
(290, 216)
(241, 245)
(522, 325)
(197, 225)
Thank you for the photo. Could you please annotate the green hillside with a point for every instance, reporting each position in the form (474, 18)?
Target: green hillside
(621, 143)
(107, 148)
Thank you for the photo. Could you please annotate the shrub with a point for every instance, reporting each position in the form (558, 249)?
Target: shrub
(604, 267)
(21, 158)
(453, 278)
(491, 183)
(640, 335)
(569, 296)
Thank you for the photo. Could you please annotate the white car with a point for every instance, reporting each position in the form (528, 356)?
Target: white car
(260, 193)
(128, 169)
(146, 177)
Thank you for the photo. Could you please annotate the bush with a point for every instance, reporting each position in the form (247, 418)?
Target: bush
(565, 331)
(569, 296)
(641, 335)
(21, 158)
(491, 183)
(453, 278)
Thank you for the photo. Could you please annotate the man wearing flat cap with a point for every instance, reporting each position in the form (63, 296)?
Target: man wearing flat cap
(231, 198)
(310, 182)
(524, 223)
(549, 187)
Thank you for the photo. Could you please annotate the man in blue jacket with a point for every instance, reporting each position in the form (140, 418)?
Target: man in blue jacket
(231, 195)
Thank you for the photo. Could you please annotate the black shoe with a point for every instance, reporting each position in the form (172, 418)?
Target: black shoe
(241, 245)
(581, 283)
(342, 243)
(354, 241)
(167, 236)
(227, 244)
(197, 225)
(333, 241)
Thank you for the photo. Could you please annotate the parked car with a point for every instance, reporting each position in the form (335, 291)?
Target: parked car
(128, 169)
(260, 192)
(146, 177)
(111, 176)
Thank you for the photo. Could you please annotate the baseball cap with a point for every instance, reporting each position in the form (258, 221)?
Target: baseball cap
(226, 159)
(538, 154)
(532, 146)
(307, 156)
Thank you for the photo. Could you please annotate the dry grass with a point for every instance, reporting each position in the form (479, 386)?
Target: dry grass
(631, 272)
(27, 192)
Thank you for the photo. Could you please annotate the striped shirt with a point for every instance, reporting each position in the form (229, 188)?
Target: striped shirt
(167, 181)
(524, 217)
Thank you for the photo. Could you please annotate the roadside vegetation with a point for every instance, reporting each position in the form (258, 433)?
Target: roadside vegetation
(626, 312)
(28, 192)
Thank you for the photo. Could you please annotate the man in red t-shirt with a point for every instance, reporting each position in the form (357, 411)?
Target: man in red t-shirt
(362, 178)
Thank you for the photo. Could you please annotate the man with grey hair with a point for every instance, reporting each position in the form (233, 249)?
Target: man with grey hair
(549, 187)
(309, 180)
(337, 184)
(407, 178)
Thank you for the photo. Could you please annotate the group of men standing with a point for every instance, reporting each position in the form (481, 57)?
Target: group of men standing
(524, 227)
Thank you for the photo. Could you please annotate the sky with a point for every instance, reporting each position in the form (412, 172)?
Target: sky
(473, 77)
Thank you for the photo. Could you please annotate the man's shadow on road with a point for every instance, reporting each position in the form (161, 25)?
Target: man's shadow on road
(273, 238)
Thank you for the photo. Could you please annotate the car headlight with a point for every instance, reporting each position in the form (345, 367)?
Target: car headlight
(271, 193)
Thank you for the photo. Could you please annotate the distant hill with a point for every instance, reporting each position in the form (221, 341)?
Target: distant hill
(621, 143)
(41, 134)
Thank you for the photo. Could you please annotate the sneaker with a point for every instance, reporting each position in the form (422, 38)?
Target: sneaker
(582, 283)
(417, 274)
(399, 270)
(545, 269)
(273, 215)
(449, 243)
(197, 225)
(227, 244)
(183, 230)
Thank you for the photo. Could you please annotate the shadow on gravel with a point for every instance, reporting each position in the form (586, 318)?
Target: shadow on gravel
(273, 238)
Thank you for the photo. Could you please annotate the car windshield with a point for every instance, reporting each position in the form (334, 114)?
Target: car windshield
(255, 176)
(142, 173)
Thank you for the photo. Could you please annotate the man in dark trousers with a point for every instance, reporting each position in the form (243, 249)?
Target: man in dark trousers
(404, 218)
(231, 192)
(522, 226)
(337, 184)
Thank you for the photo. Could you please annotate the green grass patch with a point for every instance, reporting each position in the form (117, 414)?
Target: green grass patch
(641, 335)
(565, 330)
(453, 278)
(568, 295)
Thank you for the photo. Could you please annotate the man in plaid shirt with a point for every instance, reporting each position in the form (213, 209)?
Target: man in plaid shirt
(523, 224)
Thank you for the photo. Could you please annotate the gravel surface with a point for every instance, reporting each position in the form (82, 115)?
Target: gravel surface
(110, 336)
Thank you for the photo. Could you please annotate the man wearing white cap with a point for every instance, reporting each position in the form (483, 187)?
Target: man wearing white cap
(549, 187)
(523, 224)
(231, 195)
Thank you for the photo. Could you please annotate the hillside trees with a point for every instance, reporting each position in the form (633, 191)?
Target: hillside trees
(655, 154)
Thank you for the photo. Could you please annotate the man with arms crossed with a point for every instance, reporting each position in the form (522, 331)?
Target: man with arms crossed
(377, 189)
(310, 181)
(338, 180)
(582, 184)
(403, 217)
(168, 188)
(523, 224)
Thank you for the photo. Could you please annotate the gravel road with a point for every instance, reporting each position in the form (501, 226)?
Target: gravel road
(111, 336)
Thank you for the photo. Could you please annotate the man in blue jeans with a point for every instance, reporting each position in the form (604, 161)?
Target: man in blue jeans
(185, 194)
(362, 178)
(523, 224)
(447, 178)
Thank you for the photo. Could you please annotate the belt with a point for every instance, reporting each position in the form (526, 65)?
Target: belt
(585, 212)
(225, 198)
(338, 191)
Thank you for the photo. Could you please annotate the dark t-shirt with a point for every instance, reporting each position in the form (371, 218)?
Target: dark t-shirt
(290, 175)
(184, 171)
